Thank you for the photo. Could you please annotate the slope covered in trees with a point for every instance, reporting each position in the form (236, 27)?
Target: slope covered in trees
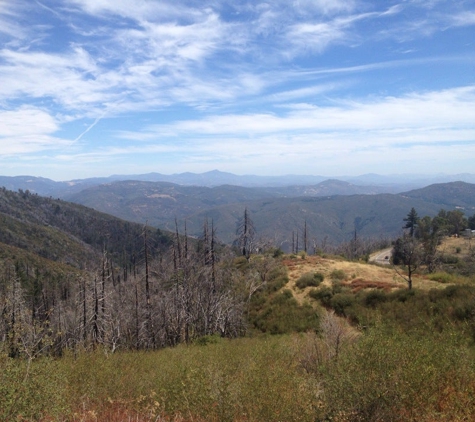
(278, 212)
(72, 277)
(67, 232)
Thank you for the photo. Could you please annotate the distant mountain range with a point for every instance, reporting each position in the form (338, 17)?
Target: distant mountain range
(374, 183)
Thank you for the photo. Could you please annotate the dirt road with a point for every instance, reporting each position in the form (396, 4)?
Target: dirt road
(382, 257)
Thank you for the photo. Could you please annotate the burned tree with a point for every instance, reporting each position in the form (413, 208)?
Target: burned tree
(246, 233)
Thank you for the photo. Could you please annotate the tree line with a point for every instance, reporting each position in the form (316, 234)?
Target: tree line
(418, 246)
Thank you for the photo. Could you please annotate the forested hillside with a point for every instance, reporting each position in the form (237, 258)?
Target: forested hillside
(67, 232)
(73, 277)
(278, 214)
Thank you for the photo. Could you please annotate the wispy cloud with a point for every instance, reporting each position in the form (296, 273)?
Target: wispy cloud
(434, 113)
(27, 130)
(463, 19)
(203, 79)
(9, 14)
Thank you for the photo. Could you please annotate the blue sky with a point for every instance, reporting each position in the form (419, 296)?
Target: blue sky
(325, 87)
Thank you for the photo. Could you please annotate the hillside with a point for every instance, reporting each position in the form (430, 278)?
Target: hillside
(160, 203)
(394, 183)
(454, 194)
(65, 232)
(332, 219)
(98, 343)
(276, 212)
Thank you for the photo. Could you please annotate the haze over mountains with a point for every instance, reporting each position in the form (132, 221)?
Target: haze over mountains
(332, 209)
(377, 183)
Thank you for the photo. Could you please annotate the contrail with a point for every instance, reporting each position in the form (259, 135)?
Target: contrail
(91, 126)
(108, 109)
(49, 9)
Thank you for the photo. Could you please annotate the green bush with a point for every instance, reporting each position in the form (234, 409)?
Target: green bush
(245, 379)
(282, 314)
(449, 259)
(324, 295)
(277, 279)
(341, 302)
(441, 277)
(445, 277)
(32, 391)
(309, 280)
(337, 287)
(339, 275)
(209, 339)
(374, 298)
(390, 375)
(277, 253)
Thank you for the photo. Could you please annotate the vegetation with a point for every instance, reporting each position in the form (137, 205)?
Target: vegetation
(330, 216)
(309, 280)
(383, 374)
(157, 326)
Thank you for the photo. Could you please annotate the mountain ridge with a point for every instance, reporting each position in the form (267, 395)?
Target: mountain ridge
(380, 183)
(276, 212)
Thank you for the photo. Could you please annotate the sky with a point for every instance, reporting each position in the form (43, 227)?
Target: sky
(318, 87)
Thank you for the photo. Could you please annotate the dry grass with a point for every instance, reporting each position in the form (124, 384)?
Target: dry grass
(464, 246)
(359, 275)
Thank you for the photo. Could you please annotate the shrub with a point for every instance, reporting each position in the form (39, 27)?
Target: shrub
(277, 253)
(339, 275)
(309, 280)
(31, 391)
(337, 287)
(390, 375)
(282, 314)
(449, 259)
(341, 302)
(324, 295)
(374, 298)
(209, 339)
(402, 295)
(441, 277)
(444, 277)
(277, 279)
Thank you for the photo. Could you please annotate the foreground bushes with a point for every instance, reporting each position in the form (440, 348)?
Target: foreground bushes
(246, 379)
(394, 376)
(384, 374)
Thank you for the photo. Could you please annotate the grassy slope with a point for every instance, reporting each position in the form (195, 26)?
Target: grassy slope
(386, 375)
(359, 275)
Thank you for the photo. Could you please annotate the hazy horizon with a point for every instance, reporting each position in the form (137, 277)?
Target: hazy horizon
(392, 176)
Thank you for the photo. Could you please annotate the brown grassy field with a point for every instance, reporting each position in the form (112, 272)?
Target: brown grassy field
(361, 275)
(460, 246)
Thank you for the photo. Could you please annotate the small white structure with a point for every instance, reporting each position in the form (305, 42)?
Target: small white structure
(469, 233)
